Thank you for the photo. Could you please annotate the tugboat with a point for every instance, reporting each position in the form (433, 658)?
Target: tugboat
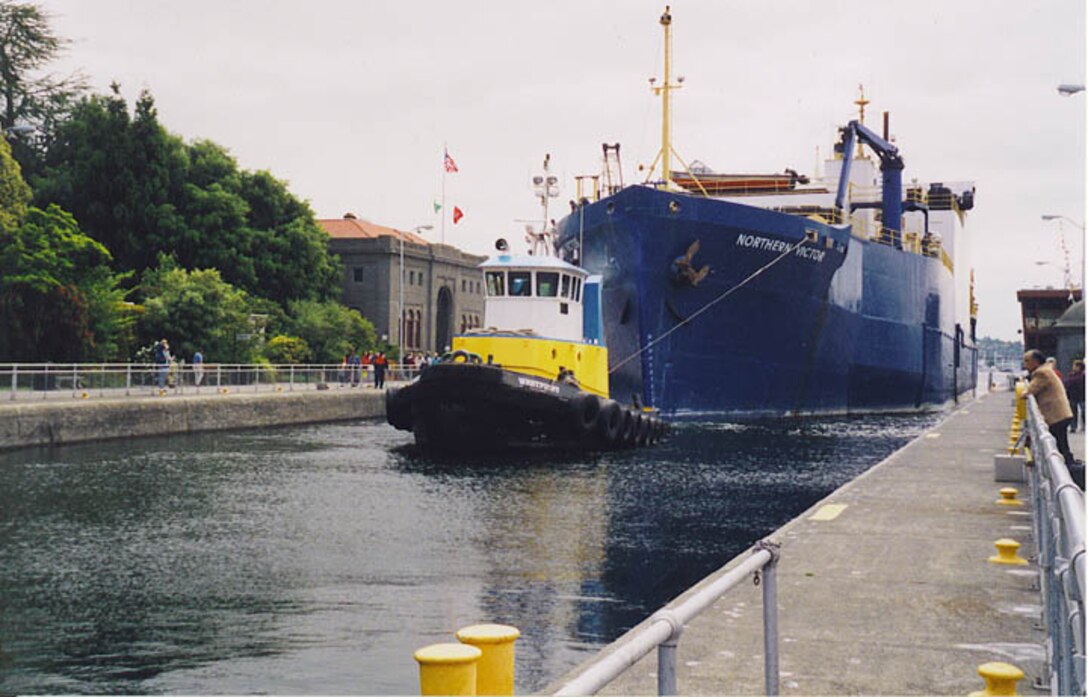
(536, 375)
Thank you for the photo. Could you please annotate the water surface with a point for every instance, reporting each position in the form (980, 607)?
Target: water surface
(316, 559)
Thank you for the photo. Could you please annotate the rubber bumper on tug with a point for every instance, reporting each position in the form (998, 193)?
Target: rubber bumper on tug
(463, 404)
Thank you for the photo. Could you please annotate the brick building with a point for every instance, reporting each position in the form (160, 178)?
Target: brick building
(443, 288)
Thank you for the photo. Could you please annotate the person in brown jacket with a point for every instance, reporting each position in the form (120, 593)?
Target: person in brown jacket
(1053, 403)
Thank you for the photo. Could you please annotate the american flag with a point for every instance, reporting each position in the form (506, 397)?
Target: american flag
(451, 166)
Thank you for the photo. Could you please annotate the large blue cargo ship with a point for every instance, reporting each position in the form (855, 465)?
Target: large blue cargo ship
(770, 295)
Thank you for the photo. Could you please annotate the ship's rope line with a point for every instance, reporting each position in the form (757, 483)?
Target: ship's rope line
(706, 307)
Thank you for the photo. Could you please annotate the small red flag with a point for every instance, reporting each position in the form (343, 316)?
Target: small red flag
(457, 214)
(450, 165)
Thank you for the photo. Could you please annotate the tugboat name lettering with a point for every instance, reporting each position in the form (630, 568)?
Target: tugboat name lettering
(766, 243)
(535, 385)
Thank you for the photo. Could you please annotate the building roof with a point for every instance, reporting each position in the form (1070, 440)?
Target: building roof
(1073, 318)
(355, 228)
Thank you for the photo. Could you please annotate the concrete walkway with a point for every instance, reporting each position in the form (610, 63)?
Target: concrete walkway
(892, 596)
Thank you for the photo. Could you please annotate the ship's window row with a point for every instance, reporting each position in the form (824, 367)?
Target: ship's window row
(549, 284)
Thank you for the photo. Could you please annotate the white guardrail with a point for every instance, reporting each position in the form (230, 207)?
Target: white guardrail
(665, 626)
(30, 381)
(1059, 519)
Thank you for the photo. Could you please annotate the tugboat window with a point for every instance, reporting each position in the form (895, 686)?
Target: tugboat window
(521, 283)
(564, 289)
(547, 284)
(576, 293)
(496, 283)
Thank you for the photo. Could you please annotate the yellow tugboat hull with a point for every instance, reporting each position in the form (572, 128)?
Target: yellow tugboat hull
(542, 358)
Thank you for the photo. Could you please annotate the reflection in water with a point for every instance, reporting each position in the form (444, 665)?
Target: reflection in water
(316, 559)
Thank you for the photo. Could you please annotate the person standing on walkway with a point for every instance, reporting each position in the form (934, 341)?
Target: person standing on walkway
(162, 362)
(198, 368)
(1074, 389)
(380, 364)
(1053, 403)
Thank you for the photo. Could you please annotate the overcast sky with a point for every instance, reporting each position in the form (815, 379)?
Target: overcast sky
(352, 102)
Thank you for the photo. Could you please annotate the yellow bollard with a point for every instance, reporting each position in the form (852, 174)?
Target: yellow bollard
(495, 674)
(1008, 497)
(1007, 553)
(1001, 679)
(447, 669)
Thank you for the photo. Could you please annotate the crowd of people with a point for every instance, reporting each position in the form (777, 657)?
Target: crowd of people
(1061, 402)
(356, 368)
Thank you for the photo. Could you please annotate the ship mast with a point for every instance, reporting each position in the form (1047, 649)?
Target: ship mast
(664, 155)
(861, 102)
(666, 146)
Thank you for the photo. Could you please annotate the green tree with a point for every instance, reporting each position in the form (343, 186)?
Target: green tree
(287, 349)
(59, 299)
(197, 310)
(120, 176)
(27, 45)
(14, 193)
(330, 329)
(142, 191)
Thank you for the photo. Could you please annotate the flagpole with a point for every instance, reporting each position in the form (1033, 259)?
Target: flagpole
(445, 151)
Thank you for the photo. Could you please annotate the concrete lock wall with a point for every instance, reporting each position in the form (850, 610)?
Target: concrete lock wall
(59, 423)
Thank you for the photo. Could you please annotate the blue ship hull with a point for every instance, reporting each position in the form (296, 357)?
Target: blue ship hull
(838, 324)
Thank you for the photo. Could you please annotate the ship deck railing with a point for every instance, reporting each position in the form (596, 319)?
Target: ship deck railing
(911, 240)
(663, 629)
(44, 381)
(1058, 518)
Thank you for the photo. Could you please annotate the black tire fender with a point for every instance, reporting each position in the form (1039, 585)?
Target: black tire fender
(642, 433)
(583, 414)
(398, 412)
(630, 428)
(609, 422)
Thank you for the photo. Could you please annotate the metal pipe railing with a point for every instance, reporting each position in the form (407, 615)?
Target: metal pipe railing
(1058, 520)
(119, 380)
(667, 624)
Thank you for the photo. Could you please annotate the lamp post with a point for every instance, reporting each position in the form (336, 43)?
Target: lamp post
(1061, 231)
(400, 323)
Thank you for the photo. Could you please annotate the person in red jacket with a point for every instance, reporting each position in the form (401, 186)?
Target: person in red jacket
(380, 365)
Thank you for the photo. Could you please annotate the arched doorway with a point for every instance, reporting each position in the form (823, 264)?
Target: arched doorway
(443, 320)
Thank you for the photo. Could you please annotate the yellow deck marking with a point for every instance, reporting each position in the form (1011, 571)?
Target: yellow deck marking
(933, 435)
(829, 512)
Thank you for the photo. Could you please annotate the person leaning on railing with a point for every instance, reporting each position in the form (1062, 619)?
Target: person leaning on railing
(1074, 389)
(1049, 393)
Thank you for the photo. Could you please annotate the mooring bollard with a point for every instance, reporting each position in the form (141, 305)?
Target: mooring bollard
(1001, 679)
(447, 669)
(495, 670)
(1007, 553)
(1008, 497)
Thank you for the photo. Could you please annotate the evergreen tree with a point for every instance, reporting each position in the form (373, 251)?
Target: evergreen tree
(143, 192)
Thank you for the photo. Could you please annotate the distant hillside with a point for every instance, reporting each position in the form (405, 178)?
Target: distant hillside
(997, 352)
